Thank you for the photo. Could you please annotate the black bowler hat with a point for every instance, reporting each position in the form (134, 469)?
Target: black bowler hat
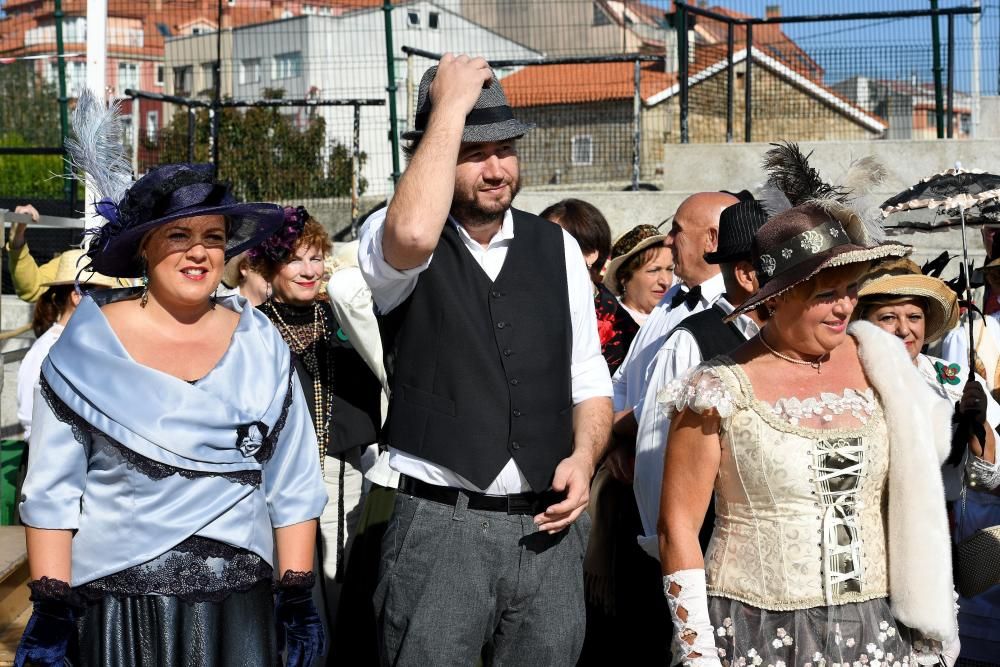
(737, 226)
(490, 120)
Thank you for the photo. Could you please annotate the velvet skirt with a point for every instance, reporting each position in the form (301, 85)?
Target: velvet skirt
(165, 631)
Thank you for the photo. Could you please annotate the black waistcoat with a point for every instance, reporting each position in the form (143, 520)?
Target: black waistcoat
(480, 370)
(713, 336)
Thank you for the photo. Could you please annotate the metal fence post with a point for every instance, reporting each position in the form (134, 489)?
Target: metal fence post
(68, 190)
(748, 88)
(636, 125)
(682, 67)
(938, 90)
(730, 45)
(191, 133)
(390, 66)
(951, 76)
(355, 170)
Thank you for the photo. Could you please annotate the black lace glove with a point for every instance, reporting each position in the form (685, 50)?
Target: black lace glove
(300, 629)
(51, 631)
(969, 420)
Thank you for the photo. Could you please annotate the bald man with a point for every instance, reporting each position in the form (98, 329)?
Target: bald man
(695, 231)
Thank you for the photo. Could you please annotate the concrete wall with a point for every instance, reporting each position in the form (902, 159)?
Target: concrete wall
(989, 118)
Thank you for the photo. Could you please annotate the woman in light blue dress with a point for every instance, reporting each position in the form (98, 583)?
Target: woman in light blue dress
(173, 472)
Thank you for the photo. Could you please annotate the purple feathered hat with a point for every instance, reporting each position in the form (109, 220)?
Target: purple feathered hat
(168, 192)
(278, 246)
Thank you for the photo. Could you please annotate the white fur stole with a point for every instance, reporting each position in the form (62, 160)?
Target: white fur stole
(919, 543)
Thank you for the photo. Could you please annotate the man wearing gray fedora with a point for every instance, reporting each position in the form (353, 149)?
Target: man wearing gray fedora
(500, 405)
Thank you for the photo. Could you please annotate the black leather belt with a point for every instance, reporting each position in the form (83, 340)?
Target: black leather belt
(516, 503)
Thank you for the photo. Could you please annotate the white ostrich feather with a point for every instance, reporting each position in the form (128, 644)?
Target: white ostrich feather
(96, 148)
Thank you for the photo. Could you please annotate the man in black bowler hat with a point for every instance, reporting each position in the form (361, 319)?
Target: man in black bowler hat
(500, 404)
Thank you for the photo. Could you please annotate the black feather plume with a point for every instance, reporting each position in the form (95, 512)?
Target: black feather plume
(788, 170)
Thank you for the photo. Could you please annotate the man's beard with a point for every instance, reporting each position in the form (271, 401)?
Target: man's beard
(471, 213)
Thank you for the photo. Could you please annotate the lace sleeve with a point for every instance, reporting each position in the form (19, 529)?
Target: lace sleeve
(701, 390)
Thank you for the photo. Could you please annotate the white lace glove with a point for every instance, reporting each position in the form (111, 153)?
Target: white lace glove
(950, 651)
(694, 642)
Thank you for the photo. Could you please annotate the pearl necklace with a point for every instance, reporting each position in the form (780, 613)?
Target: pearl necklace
(321, 418)
(802, 362)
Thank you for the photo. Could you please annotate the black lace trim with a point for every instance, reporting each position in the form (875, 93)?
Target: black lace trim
(293, 579)
(185, 572)
(46, 589)
(270, 442)
(84, 432)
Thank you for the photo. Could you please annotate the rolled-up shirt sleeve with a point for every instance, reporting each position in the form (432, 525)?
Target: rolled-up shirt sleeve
(589, 370)
(390, 286)
(57, 470)
(293, 483)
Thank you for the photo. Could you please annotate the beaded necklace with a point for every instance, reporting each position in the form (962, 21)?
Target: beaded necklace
(307, 350)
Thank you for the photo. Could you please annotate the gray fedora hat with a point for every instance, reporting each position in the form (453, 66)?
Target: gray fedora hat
(490, 120)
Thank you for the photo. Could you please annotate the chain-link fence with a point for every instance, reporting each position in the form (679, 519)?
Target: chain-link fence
(848, 77)
(265, 88)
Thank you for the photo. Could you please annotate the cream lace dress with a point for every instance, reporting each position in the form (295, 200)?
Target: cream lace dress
(797, 567)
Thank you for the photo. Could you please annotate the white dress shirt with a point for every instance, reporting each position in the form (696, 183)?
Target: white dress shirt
(678, 355)
(29, 373)
(390, 287)
(630, 379)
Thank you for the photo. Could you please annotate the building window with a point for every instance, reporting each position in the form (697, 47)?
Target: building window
(152, 125)
(433, 18)
(76, 77)
(183, 80)
(159, 75)
(250, 70)
(582, 150)
(128, 77)
(209, 77)
(287, 65)
(412, 19)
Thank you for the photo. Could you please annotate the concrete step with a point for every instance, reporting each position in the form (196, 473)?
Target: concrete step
(15, 608)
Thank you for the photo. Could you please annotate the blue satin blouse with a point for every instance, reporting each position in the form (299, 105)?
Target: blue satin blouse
(136, 461)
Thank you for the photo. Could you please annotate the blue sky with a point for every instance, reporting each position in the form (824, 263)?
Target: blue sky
(890, 49)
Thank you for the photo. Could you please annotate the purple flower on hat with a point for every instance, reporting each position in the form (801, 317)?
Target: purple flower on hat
(279, 245)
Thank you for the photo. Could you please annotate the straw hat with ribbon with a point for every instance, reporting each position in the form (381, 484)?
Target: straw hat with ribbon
(69, 272)
(628, 245)
(902, 278)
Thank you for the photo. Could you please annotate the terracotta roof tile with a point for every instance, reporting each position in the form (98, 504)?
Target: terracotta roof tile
(768, 37)
(538, 85)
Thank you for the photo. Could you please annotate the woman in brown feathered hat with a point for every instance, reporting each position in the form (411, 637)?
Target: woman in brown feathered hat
(822, 446)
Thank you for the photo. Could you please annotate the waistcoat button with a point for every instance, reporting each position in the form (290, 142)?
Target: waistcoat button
(517, 413)
(495, 294)
(501, 324)
(514, 382)
(515, 445)
(508, 352)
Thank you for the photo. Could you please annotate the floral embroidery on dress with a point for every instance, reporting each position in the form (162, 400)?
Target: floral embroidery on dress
(700, 390)
(861, 405)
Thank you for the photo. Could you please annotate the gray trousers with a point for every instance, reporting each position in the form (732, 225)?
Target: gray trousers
(459, 585)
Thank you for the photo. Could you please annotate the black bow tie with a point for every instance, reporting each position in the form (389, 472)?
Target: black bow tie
(690, 297)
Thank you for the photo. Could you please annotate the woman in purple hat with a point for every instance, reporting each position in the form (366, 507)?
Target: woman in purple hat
(823, 446)
(173, 473)
(343, 394)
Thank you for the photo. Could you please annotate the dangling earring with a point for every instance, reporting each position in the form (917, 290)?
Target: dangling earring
(267, 292)
(144, 299)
